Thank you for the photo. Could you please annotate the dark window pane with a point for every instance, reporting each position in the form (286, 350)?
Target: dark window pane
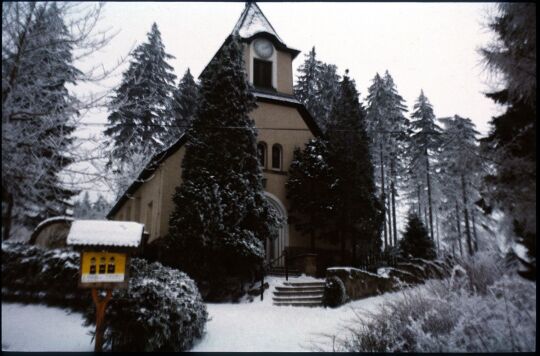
(262, 73)
(276, 156)
(261, 151)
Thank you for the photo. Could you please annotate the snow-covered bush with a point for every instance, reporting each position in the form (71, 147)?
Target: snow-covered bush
(162, 310)
(335, 293)
(34, 274)
(480, 308)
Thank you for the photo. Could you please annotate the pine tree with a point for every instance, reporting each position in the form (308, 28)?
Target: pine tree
(511, 142)
(37, 119)
(141, 112)
(387, 128)
(186, 99)
(425, 140)
(317, 87)
(310, 189)
(221, 217)
(416, 242)
(461, 168)
(357, 211)
(82, 209)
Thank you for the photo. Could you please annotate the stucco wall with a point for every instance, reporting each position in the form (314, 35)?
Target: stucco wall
(284, 73)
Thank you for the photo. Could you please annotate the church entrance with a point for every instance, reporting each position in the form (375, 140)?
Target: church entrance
(275, 248)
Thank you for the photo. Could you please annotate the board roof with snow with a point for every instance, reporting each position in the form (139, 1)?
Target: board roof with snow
(105, 233)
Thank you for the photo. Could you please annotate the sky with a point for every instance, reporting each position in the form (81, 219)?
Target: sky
(428, 46)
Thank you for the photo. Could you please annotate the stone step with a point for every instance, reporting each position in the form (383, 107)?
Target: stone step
(305, 284)
(300, 289)
(298, 299)
(282, 274)
(296, 293)
(299, 304)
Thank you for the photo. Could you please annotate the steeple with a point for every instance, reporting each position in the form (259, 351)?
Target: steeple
(253, 21)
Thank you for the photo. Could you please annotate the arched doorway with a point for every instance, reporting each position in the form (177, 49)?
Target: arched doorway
(274, 248)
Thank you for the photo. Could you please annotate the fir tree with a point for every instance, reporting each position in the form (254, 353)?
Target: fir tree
(141, 107)
(416, 242)
(357, 212)
(221, 217)
(511, 142)
(82, 209)
(186, 99)
(425, 140)
(461, 169)
(387, 128)
(37, 119)
(317, 87)
(310, 189)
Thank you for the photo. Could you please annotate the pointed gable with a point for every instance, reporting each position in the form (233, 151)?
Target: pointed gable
(252, 21)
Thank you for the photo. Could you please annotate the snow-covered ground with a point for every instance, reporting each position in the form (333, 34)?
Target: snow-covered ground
(247, 326)
(42, 328)
(262, 326)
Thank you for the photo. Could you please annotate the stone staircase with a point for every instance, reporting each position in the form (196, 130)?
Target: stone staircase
(300, 294)
(280, 272)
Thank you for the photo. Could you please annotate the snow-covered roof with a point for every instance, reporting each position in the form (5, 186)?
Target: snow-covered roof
(53, 219)
(106, 233)
(253, 21)
(276, 97)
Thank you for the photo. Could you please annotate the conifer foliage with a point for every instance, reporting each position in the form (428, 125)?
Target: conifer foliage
(357, 211)
(186, 99)
(38, 114)
(141, 107)
(221, 217)
(416, 242)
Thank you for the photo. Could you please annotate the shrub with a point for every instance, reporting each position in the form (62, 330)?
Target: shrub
(161, 310)
(335, 293)
(477, 310)
(34, 274)
(415, 241)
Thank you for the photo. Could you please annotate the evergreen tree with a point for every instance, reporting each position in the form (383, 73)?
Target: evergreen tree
(317, 87)
(37, 119)
(186, 99)
(357, 211)
(82, 209)
(387, 128)
(221, 217)
(141, 112)
(461, 169)
(511, 142)
(425, 140)
(416, 242)
(310, 189)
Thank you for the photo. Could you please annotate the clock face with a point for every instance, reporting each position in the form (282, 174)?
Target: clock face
(263, 48)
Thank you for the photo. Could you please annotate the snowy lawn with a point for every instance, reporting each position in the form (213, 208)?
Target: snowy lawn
(255, 326)
(261, 326)
(42, 328)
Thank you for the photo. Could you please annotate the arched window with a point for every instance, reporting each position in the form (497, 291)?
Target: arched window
(276, 156)
(261, 153)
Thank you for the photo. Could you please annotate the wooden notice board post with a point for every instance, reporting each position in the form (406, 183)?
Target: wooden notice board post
(105, 248)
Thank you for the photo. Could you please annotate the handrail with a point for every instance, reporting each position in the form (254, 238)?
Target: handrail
(267, 266)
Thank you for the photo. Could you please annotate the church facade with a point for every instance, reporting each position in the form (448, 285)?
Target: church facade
(282, 123)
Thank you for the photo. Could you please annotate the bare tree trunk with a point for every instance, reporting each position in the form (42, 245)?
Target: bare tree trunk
(389, 215)
(466, 216)
(7, 218)
(474, 231)
(393, 192)
(459, 229)
(419, 204)
(437, 229)
(429, 197)
(383, 197)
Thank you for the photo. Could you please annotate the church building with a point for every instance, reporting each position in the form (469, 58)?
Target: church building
(283, 124)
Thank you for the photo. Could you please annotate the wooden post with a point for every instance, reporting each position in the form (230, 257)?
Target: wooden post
(286, 265)
(262, 283)
(101, 305)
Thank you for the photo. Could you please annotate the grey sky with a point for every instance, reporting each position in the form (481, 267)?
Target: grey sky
(430, 46)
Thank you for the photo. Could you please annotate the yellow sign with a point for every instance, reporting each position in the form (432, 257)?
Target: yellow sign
(103, 267)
